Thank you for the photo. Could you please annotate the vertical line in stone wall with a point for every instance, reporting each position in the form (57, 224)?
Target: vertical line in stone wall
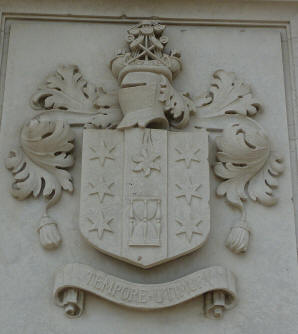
(291, 102)
(5, 33)
(167, 192)
(123, 146)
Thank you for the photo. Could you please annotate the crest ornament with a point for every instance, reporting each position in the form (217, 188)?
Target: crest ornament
(145, 176)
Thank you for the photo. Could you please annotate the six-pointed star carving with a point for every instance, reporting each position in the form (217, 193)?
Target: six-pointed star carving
(99, 222)
(101, 188)
(188, 190)
(188, 154)
(188, 225)
(146, 161)
(102, 153)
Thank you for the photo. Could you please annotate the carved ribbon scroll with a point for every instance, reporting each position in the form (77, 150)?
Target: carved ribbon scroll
(217, 284)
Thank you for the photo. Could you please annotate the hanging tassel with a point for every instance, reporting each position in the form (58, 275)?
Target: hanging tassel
(238, 238)
(49, 235)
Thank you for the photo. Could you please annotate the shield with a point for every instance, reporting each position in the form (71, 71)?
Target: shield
(145, 193)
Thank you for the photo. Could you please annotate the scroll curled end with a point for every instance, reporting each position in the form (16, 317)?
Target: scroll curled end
(216, 302)
(67, 296)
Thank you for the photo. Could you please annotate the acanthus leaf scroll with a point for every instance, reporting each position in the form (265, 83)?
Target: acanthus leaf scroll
(40, 166)
(227, 96)
(245, 160)
(178, 106)
(67, 94)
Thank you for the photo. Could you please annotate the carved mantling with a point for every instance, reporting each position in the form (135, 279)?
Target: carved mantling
(246, 161)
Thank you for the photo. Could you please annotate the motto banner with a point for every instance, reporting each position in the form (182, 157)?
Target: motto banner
(217, 284)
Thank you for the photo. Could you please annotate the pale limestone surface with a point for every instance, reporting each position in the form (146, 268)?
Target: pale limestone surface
(267, 274)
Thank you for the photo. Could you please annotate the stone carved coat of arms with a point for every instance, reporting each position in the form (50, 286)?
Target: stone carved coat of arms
(145, 180)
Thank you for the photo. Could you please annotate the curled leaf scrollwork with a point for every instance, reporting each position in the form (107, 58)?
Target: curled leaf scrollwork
(40, 166)
(177, 106)
(245, 160)
(67, 94)
(227, 96)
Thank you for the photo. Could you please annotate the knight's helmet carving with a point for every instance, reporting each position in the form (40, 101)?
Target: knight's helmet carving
(141, 72)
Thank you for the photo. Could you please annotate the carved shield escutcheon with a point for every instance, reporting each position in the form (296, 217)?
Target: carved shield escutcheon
(145, 193)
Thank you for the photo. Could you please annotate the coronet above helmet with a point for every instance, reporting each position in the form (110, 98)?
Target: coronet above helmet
(146, 53)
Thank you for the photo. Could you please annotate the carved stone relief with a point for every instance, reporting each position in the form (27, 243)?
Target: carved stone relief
(152, 220)
(247, 164)
(145, 181)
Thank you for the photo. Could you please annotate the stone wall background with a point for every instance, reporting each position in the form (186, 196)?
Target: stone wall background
(256, 40)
